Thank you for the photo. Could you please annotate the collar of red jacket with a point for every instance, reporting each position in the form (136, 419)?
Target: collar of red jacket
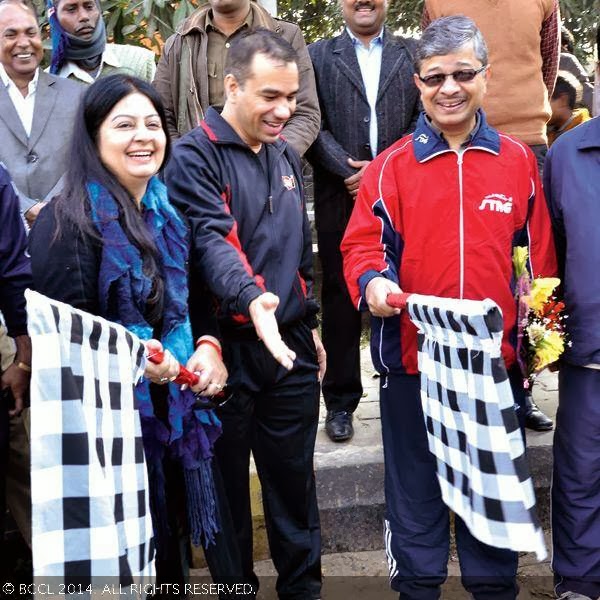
(428, 143)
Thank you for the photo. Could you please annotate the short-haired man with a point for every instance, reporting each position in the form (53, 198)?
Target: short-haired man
(79, 47)
(189, 77)
(15, 278)
(523, 42)
(421, 223)
(572, 185)
(565, 114)
(368, 101)
(240, 186)
(36, 110)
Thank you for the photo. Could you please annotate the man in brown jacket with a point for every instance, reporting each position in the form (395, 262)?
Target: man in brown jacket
(189, 77)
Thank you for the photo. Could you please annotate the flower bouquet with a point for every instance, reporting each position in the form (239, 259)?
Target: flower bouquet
(540, 320)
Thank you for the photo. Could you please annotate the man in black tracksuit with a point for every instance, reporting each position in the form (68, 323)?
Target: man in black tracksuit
(240, 186)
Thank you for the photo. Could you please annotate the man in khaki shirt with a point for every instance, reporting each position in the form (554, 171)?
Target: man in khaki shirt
(189, 76)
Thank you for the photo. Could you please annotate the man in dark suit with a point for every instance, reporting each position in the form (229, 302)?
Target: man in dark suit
(36, 109)
(368, 101)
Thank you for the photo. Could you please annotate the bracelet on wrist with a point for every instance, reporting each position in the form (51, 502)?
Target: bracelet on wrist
(210, 342)
(23, 366)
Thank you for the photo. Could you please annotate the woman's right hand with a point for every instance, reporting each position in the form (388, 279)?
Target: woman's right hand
(164, 371)
(207, 363)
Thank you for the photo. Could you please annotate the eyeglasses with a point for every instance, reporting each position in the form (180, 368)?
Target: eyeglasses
(462, 76)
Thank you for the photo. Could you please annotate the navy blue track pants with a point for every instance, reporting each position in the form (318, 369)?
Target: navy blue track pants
(576, 482)
(416, 526)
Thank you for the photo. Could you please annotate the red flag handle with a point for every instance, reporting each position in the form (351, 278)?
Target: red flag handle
(397, 300)
(156, 355)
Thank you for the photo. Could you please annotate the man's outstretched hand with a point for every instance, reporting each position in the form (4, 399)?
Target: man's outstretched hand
(262, 314)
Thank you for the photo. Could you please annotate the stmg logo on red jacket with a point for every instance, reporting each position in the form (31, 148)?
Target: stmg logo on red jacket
(497, 203)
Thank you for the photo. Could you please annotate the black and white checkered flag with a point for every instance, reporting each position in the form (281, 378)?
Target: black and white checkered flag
(472, 426)
(89, 483)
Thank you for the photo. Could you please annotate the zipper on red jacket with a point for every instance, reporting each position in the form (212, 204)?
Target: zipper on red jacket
(461, 225)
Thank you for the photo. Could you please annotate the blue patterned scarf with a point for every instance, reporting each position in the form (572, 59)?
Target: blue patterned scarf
(123, 291)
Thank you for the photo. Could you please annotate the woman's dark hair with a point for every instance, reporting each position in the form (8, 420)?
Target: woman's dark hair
(72, 206)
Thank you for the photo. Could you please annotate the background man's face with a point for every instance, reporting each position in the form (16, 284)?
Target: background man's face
(452, 105)
(78, 17)
(266, 101)
(229, 6)
(20, 41)
(364, 17)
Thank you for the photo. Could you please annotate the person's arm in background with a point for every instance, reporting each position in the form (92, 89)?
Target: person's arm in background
(166, 82)
(302, 128)
(15, 278)
(550, 47)
(326, 151)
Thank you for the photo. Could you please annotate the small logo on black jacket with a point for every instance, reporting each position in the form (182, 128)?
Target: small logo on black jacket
(288, 182)
(497, 203)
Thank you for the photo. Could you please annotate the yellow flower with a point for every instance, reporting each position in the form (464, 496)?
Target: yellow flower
(541, 290)
(520, 255)
(549, 350)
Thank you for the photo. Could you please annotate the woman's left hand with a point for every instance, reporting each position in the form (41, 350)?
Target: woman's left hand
(164, 371)
(208, 365)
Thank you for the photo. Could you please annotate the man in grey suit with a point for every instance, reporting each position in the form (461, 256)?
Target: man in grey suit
(368, 101)
(36, 110)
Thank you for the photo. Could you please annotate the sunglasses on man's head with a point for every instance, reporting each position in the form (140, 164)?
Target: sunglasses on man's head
(462, 76)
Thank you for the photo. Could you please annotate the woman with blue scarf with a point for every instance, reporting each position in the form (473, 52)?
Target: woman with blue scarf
(113, 245)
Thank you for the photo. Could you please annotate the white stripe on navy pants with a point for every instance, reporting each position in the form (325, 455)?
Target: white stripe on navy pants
(417, 529)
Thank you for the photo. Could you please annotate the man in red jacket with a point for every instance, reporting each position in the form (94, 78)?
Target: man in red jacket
(439, 213)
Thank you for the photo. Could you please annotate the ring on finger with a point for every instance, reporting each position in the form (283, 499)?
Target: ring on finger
(164, 379)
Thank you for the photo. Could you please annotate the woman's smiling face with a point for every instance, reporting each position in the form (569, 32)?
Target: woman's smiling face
(132, 142)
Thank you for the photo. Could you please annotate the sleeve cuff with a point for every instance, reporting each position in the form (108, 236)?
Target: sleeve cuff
(363, 281)
(245, 297)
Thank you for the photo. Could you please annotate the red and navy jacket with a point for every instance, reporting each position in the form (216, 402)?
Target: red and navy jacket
(249, 229)
(441, 222)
